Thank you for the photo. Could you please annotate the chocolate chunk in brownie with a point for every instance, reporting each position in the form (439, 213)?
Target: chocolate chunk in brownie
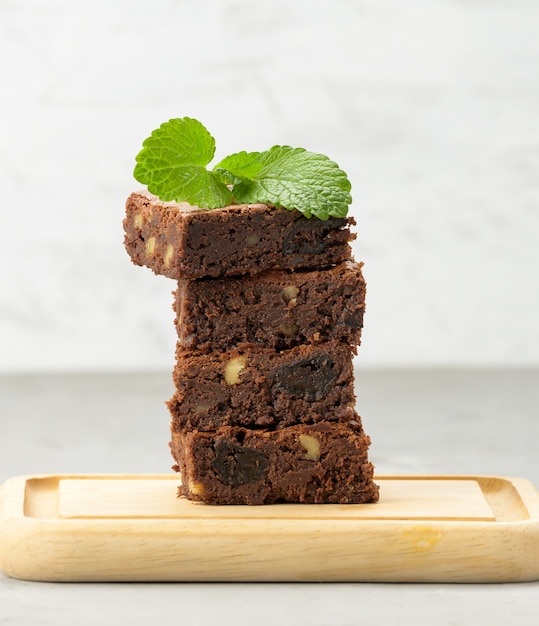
(263, 388)
(181, 241)
(321, 464)
(275, 309)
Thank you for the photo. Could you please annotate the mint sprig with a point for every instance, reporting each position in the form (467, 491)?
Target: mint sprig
(173, 164)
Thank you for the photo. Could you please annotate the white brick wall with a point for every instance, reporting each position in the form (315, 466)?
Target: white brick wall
(430, 106)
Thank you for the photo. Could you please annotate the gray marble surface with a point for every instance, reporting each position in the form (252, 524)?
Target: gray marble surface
(421, 421)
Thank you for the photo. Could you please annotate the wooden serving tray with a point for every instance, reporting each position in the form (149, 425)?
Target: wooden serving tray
(134, 528)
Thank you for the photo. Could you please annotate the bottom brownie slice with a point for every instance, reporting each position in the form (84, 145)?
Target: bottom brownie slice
(320, 463)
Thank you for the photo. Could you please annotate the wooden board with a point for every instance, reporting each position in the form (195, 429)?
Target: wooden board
(134, 528)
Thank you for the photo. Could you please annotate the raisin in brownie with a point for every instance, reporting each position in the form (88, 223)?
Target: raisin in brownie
(275, 309)
(181, 241)
(263, 388)
(321, 464)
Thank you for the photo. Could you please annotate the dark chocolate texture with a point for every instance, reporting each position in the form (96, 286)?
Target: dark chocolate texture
(275, 309)
(269, 312)
(322, 463)
(263, 388)
(181, 241)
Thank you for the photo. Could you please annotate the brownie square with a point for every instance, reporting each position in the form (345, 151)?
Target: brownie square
(275, 309)
(263, 388)
(181, 241)
(321, 464)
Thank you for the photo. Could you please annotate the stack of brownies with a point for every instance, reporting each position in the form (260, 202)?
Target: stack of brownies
(269, 310)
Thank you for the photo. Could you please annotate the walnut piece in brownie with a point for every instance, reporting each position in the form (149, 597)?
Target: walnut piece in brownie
(322, 463)
(275, 309)
(181, 241)
(263, 388)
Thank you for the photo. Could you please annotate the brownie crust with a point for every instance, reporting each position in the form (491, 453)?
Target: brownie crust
(322, 463)
(264, 388)
(275, 309)
(181, 241)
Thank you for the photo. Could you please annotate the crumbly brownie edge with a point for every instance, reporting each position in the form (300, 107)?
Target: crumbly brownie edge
(152, 233)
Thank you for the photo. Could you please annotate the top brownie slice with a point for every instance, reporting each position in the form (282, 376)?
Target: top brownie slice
(178, 240)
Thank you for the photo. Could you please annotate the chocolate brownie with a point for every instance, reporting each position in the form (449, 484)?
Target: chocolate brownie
(181, 241)
(275, 309)
(322, 463)
(263, 388)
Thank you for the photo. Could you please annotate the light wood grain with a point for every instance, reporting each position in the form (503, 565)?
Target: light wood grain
(400, 499)
(425, 528)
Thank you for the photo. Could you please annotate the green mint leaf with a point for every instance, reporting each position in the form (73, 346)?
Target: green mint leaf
(172, 163)
(288, 177)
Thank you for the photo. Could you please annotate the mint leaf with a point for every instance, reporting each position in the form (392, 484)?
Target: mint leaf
(172, 163)
(288, 177)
